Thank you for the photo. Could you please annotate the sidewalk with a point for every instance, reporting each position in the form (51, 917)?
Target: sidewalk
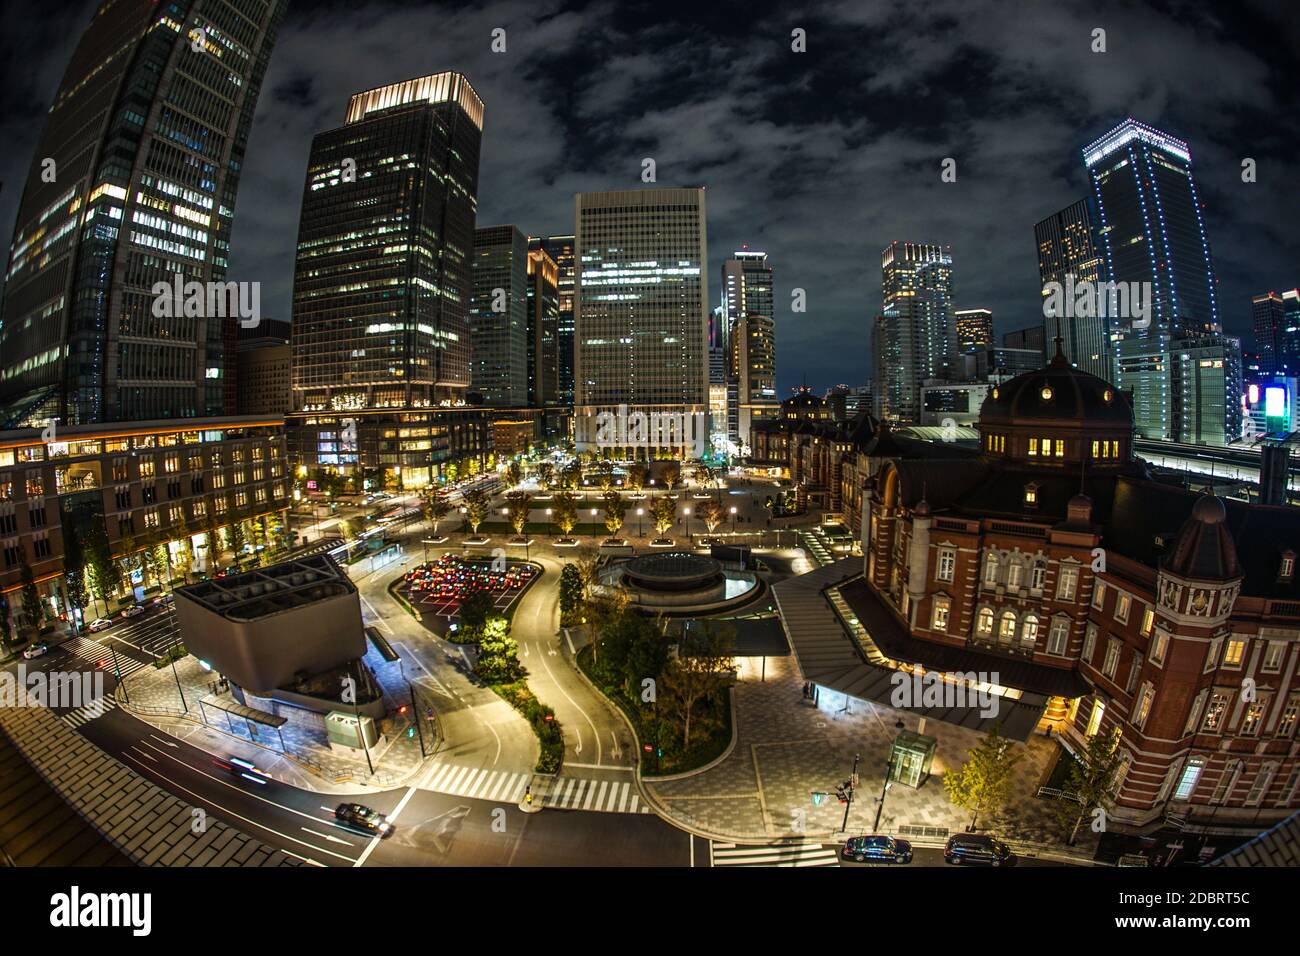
(786, 749)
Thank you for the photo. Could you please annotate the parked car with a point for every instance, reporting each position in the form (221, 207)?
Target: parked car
(877, 848)
(38, 649)
(363, 818)
(101, 624)
(133, 611)
(976, 848)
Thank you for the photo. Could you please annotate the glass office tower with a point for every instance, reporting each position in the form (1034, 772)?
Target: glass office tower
(382, 281)
(641, 305)
(543, 329)
(560, 249)
(1067, 245)
(133, 183)
(750, 318)
(498, 317)
(1152, 232)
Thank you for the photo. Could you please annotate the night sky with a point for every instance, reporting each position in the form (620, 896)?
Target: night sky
(819, 158)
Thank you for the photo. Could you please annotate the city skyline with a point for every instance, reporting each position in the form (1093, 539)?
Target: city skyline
(1021, 160)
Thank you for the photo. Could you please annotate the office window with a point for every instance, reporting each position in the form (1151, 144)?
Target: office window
(1212, 722)
(1286, 723)
(1234, 652)
(1252, 718)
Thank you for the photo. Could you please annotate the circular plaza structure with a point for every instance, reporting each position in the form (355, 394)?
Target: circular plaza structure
(679, 580)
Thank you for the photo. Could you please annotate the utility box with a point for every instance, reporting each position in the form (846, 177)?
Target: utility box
(911, 757)
(342, 730)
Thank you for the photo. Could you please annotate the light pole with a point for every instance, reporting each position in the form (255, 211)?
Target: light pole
(639, 513)
(550, 528)
(853, 786)
(733, 519)
(687, 512)
(884, 788)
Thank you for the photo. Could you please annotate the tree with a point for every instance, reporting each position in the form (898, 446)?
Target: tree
(635, 477)
(74, 569)
(711, 514)
(983, 782)
(1090, 784)
(33, 608)
(672, 474)
(702, 475)
(237, 540)
(473, 616)
(601, 608)
(663, 513)
(565, 510)
(615, 512)
(512, 475)
(104, 579)
(703, 668)
(498, 661)
(570, 593)
(435, 508)
(647, 653)
(605, 479)
(6, 628)
(519, 503)
(477, 506)
(571, 475)
(546, 475)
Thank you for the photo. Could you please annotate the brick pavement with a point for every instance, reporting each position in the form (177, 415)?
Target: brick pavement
(149, 825)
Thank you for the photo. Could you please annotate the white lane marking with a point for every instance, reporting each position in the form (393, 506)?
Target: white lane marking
(595, 733)
(327, 836)
(392, 817)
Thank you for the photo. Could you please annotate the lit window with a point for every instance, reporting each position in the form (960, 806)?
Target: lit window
(1234, 652)
(1094, 719)
(1111, 660)
(939, 622)
(984, 622)
(1122, 604)
(947, 563)
(1066, 583)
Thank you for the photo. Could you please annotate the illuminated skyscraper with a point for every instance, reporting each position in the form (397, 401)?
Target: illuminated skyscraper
(382, 282)
(543, 329)
(749, 316)
(641, 305)
(914, 335)
(974, 329)
(498, 322)
(1067, 246)
(1152, 232)
(560, 249)
(133, 183)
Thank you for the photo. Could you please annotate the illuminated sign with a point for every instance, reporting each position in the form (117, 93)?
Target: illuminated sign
(1274, 402)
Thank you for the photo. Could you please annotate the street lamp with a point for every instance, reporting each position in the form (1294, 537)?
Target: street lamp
(733, 519)
(687, 512)
(550, 529)
(889, 772)
(639, 513)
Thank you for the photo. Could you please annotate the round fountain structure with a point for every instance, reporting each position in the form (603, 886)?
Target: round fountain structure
(679, 580)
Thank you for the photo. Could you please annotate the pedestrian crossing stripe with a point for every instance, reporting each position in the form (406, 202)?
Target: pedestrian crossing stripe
(775, 854)
(88, 712)
(92, 652)
(563, 793)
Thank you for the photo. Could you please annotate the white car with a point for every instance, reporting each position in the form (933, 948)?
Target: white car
(133, 610)
(38, 649)
(100, 624)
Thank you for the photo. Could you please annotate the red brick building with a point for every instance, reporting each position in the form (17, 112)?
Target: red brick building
(1052, 557)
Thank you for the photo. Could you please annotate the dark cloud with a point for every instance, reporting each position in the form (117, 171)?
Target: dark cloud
(819, 158)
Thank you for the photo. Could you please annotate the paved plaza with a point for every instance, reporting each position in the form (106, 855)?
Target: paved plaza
(786, 749)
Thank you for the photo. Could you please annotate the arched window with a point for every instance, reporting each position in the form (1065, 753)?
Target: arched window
(984, 622)
(1007, 627)
(1029, 633)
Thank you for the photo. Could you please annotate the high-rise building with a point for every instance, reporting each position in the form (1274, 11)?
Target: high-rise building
(498, 317)
(543, 329)
(1152, 233)
(640, 307)
(133, 184)
(1205, 387)
(974, 329)
(749, 316)
(264, 369)
(1289, 341)
(560, 249)
(383, 280)
(1268, 317)
(1067, 246)
(1031, 337)
(915, 340)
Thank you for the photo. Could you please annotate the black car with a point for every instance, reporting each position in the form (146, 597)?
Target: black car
(976, 848)
(878, 849)
(362, 817)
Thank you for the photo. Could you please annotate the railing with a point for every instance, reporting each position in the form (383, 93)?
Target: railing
(1052, 793)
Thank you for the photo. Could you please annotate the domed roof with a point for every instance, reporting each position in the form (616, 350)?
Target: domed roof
(803, 399)
(1059, 392)
(1205, 550)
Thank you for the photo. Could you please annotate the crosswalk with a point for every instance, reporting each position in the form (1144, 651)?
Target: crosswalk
(775, 854)
(88, 712)
(96, 654)
(564, 793)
